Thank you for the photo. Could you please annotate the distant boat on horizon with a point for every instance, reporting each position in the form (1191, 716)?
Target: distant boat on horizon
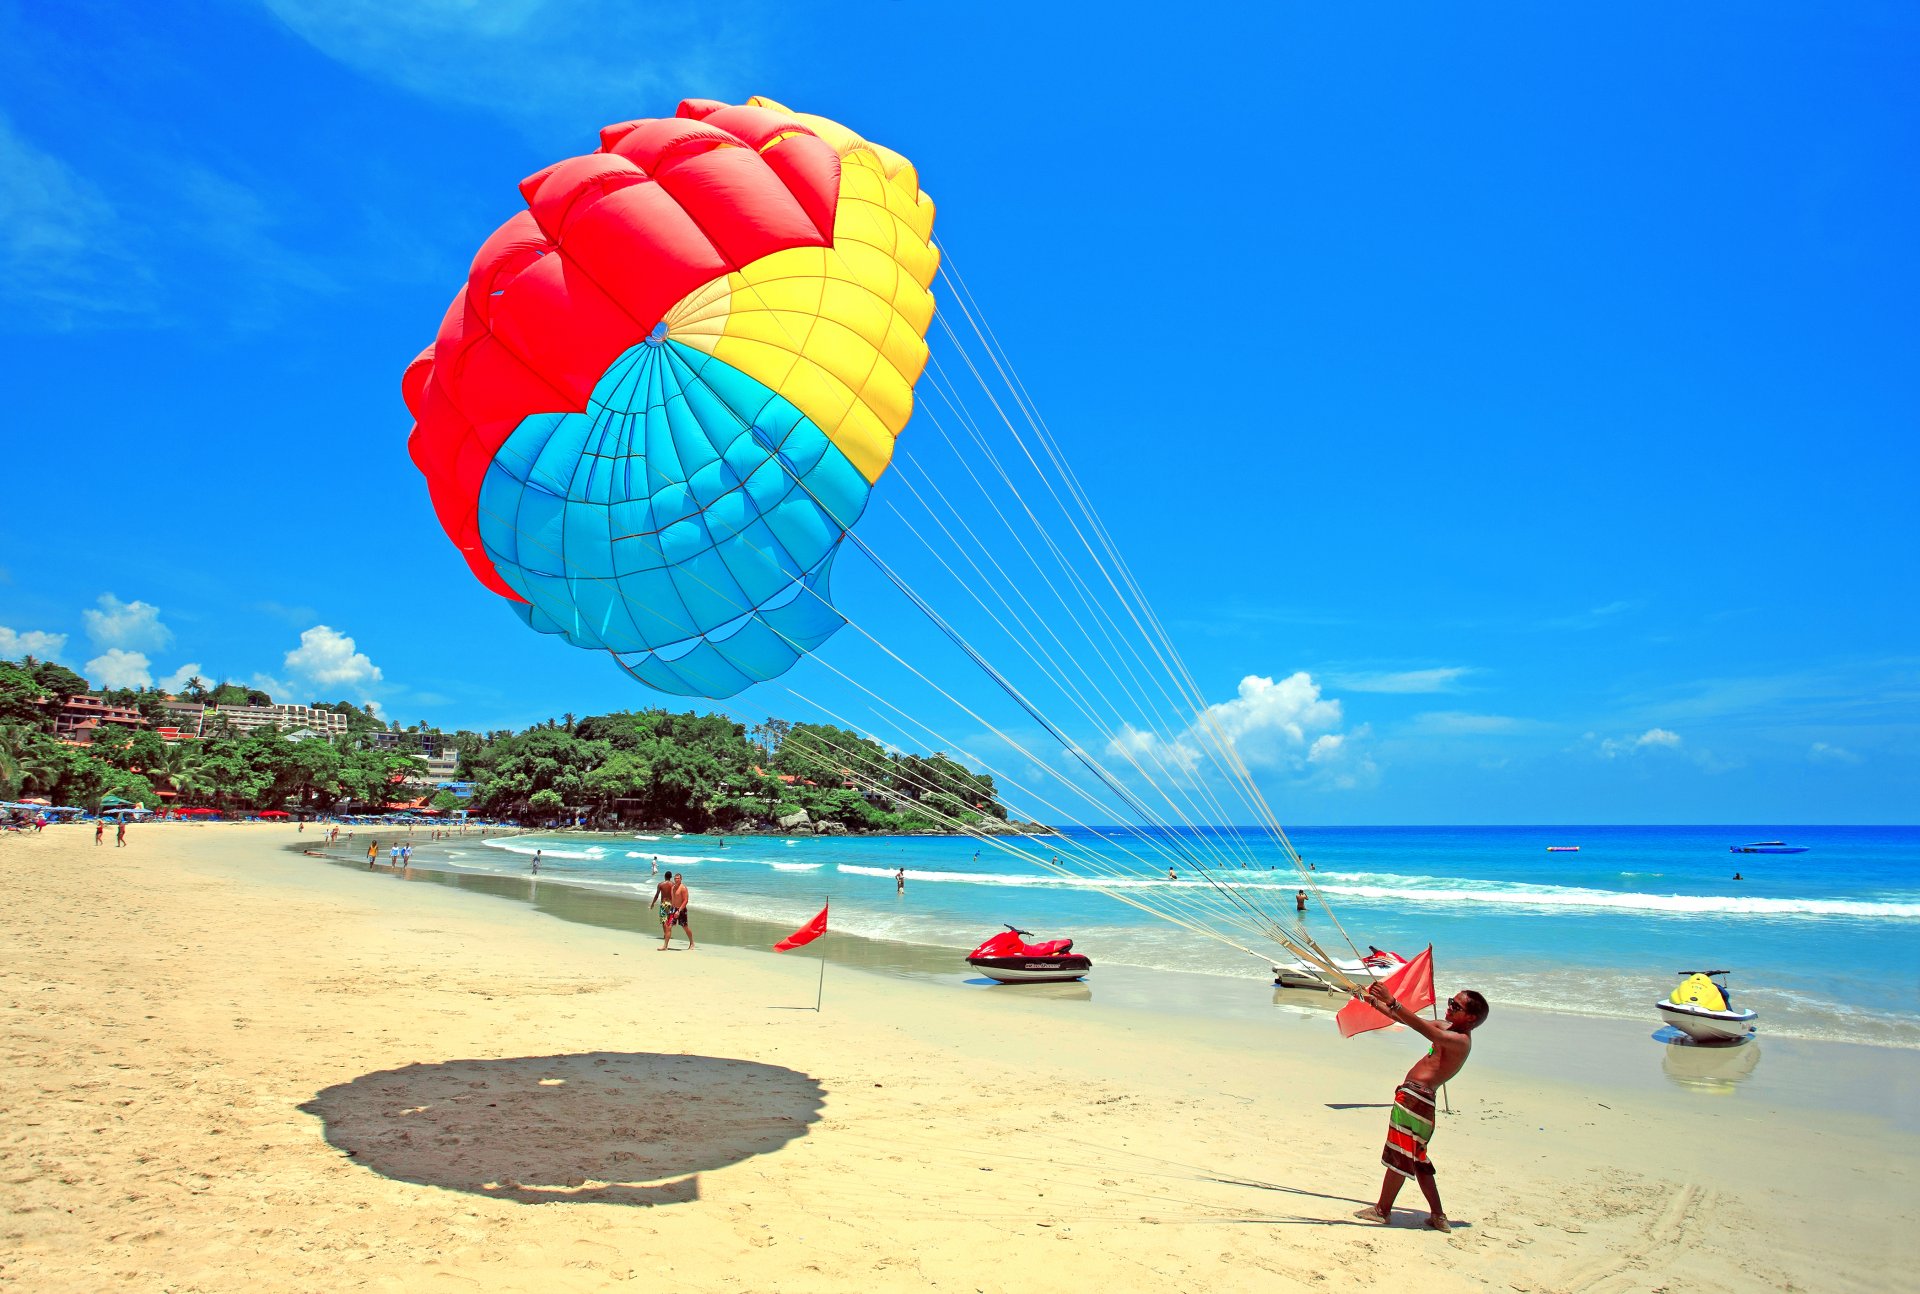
(1767, 847)
(1563, 849)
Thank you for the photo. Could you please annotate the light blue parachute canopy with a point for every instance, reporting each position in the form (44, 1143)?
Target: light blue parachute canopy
(686, 521)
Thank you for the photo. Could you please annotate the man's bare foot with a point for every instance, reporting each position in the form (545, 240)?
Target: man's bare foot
(1438, 1221)
(1371, 1213)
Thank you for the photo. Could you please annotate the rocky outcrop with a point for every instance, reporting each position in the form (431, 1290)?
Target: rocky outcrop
(795, 821)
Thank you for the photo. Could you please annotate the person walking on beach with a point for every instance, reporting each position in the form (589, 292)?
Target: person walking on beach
(663, 904)
(373, 852)
(100, 835)
(1410, 1126)
(536, 862)
(120, 835)
(678, 915)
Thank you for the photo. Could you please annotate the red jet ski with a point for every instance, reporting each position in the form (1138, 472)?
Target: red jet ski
(1009, 958)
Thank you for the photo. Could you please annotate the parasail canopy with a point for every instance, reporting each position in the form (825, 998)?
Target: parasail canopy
(670, 383)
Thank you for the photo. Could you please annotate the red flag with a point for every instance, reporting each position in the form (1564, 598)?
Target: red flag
(1411, 985)
(818, 926)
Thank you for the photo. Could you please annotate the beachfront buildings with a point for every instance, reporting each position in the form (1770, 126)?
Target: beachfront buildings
(82, 715)
(193, 719)
(436, 749)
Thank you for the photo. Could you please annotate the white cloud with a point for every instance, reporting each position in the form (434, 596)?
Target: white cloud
(1286, 724)
(327, 657)
(1651, 739)
(34, 642)
(133, 625)
(1410, 681)
(279, 689)
(1822, 753)
(119, 668)
(178, 679)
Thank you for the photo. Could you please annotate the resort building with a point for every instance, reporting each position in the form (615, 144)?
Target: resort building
(196, 720)
(81, 715)
(436, 748)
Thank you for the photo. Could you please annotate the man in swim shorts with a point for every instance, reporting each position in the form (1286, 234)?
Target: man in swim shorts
(1410, 1126)
(663, 904)
(678, 916)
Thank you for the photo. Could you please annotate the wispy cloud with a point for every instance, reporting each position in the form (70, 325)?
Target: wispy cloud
(1824, 753)
(1592, 618)
(64, 263)
(1405, 682)
(541, 62)
(1651, 739)
(1460, 723)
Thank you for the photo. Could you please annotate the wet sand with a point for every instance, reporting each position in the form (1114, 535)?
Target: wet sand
(228, 1064)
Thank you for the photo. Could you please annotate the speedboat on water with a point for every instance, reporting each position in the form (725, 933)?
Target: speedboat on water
(1767, 847)
(1702, 1009)
(1009, 958)
(1377, 964)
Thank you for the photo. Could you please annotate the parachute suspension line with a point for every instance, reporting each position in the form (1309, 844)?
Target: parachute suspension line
(1134, 694)
(1263, 922)
(1094, 606)
(1178, 904)
(869, 782)
(1048, 667)
(1170, 659)
(1095, 609)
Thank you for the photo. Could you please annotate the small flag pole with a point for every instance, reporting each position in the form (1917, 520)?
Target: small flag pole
(821, 987)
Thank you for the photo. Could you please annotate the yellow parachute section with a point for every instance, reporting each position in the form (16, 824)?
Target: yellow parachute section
(839, 331)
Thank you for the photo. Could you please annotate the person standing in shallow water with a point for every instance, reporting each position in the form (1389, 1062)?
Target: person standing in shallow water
(900, 880)
(1410, 1126)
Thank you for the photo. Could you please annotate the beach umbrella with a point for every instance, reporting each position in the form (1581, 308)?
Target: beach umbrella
(670, 384)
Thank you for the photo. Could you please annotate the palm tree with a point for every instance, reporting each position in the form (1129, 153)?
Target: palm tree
(179, 764)
(15, 743)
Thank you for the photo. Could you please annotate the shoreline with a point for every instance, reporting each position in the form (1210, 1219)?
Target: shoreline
(605, 903)
(231, 1067)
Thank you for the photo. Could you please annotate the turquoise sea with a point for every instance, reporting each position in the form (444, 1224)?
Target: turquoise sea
(1822, 943)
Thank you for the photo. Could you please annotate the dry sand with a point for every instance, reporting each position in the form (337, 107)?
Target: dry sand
(227, 1066)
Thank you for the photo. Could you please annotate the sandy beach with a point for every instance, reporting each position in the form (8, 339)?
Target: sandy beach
(231, 1066)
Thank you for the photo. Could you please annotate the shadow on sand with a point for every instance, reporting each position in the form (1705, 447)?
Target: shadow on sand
(588, 1128)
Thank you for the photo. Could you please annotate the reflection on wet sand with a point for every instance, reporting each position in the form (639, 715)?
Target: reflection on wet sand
(1313, 999)
(1706, 1067)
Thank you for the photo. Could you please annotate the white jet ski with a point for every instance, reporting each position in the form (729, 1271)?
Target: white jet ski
(1702, 1009)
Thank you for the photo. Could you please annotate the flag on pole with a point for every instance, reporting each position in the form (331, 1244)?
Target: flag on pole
(818, 926)
(1411, 985)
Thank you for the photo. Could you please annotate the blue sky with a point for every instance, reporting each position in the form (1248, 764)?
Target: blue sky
(1528, 394)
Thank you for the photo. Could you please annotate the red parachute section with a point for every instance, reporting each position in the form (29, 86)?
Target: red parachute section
(608, 243)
